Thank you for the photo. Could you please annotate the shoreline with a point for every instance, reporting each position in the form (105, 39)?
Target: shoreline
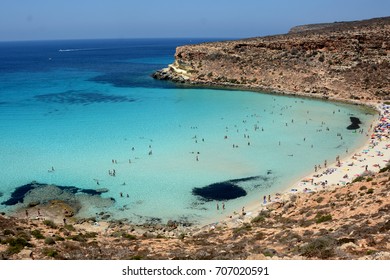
(236, 218)
(326, 179)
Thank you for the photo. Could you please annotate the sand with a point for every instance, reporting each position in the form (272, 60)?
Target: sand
(371, 157)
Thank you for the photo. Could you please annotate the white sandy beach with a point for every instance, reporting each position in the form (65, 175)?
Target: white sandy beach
(371, 157)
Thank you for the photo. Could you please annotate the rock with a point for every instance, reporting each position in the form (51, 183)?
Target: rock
(33, 203)
(382, 256)
(311, 61)
(385, 227)
(102, 190)
(270, 252)
(105, 216)
(274, 206)
(349, 247)
(25, 254)
(288, 205)
(149, 235)
(202, 255)
(171, 224)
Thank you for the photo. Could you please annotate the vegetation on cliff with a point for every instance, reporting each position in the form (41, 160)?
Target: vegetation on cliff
(351, 222)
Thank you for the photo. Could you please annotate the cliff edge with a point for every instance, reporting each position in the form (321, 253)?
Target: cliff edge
(347, 61)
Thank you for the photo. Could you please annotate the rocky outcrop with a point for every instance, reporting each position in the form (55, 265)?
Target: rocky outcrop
(349, 60)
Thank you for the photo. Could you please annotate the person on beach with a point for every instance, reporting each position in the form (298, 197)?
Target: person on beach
(223, 206)
(217, 207)
(265, 199)
(26, 214)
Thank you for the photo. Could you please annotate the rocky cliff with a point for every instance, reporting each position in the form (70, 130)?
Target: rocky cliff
(348, 60)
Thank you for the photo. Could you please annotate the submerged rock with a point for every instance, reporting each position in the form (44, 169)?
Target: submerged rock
(18, 195)
(354, 123)
(219, 191)
(35, 193)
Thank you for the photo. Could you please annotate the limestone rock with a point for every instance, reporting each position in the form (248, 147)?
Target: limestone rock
(348, 61)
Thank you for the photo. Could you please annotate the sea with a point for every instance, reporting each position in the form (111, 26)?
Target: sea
(88, 114)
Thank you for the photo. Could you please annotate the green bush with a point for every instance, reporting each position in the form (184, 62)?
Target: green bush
(323, 218)
(59, 238)
(258, 219)
(358, 179)
(37, 234)
(370, 191)
(50, 241)
(241, 230)
(8, 232)
(25, 235)
(259, 236)
(50, 224)
(384, 169)
(78, 237)
(15, 245)
(321, 248)
(69, 227)
(50, 252)
(129, 236)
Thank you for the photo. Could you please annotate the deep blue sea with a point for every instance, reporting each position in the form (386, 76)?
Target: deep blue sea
(73, 113)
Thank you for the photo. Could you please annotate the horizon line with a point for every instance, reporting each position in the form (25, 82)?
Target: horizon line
(124, 38)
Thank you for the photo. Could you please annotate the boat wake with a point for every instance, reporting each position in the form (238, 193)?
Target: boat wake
(78, 50)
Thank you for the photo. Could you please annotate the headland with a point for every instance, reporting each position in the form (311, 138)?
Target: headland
(343, 61)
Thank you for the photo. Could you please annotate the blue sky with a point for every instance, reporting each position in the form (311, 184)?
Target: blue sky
(87, 19)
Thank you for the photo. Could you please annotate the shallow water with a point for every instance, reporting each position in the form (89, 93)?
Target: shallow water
(94, 109)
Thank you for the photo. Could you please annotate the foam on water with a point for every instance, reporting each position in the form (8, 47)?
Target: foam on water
(77, 119)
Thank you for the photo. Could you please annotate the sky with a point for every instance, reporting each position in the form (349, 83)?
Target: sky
(98, 19)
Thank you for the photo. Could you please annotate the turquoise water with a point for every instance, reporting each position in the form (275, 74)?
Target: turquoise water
(78, 111)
